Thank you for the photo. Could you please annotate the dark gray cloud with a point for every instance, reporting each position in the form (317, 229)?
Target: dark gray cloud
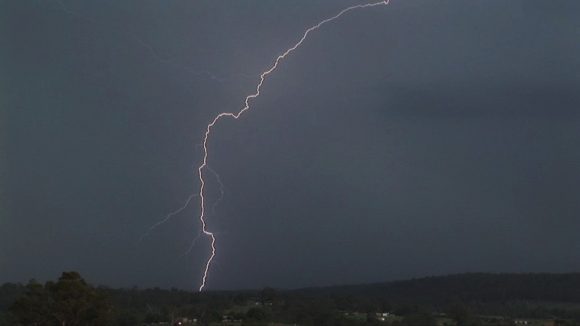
(425, 138)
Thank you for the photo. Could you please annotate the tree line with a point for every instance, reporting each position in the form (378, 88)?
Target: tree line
(462, 300)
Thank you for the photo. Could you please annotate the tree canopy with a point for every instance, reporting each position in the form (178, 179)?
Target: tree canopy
(68, 302)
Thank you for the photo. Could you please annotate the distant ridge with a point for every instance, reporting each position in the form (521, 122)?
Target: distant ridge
(469, 287)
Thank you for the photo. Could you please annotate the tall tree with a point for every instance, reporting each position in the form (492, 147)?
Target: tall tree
(68, 302)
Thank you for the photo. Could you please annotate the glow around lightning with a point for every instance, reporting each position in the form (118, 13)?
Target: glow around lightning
(263, 75)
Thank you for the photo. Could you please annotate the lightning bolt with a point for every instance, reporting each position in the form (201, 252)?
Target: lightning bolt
(167, 217)
(263, 75)
(178, 211)
(213, 208)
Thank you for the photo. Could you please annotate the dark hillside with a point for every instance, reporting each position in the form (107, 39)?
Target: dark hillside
(478, 287)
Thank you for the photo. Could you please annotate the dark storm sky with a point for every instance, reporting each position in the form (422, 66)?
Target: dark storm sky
(425, 138)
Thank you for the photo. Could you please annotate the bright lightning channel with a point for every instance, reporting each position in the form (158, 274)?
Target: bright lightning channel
(178, 211)
(263, 75)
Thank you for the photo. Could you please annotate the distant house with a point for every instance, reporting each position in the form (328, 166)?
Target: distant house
(383, 316)
(184, 321)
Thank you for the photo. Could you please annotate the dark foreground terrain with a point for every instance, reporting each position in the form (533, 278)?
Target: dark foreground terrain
(466, 299)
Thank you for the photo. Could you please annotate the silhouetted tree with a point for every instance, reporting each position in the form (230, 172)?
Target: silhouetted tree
(257, 314)
(33, 308)
(68, 302)
(267, 295)
(462, 316)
